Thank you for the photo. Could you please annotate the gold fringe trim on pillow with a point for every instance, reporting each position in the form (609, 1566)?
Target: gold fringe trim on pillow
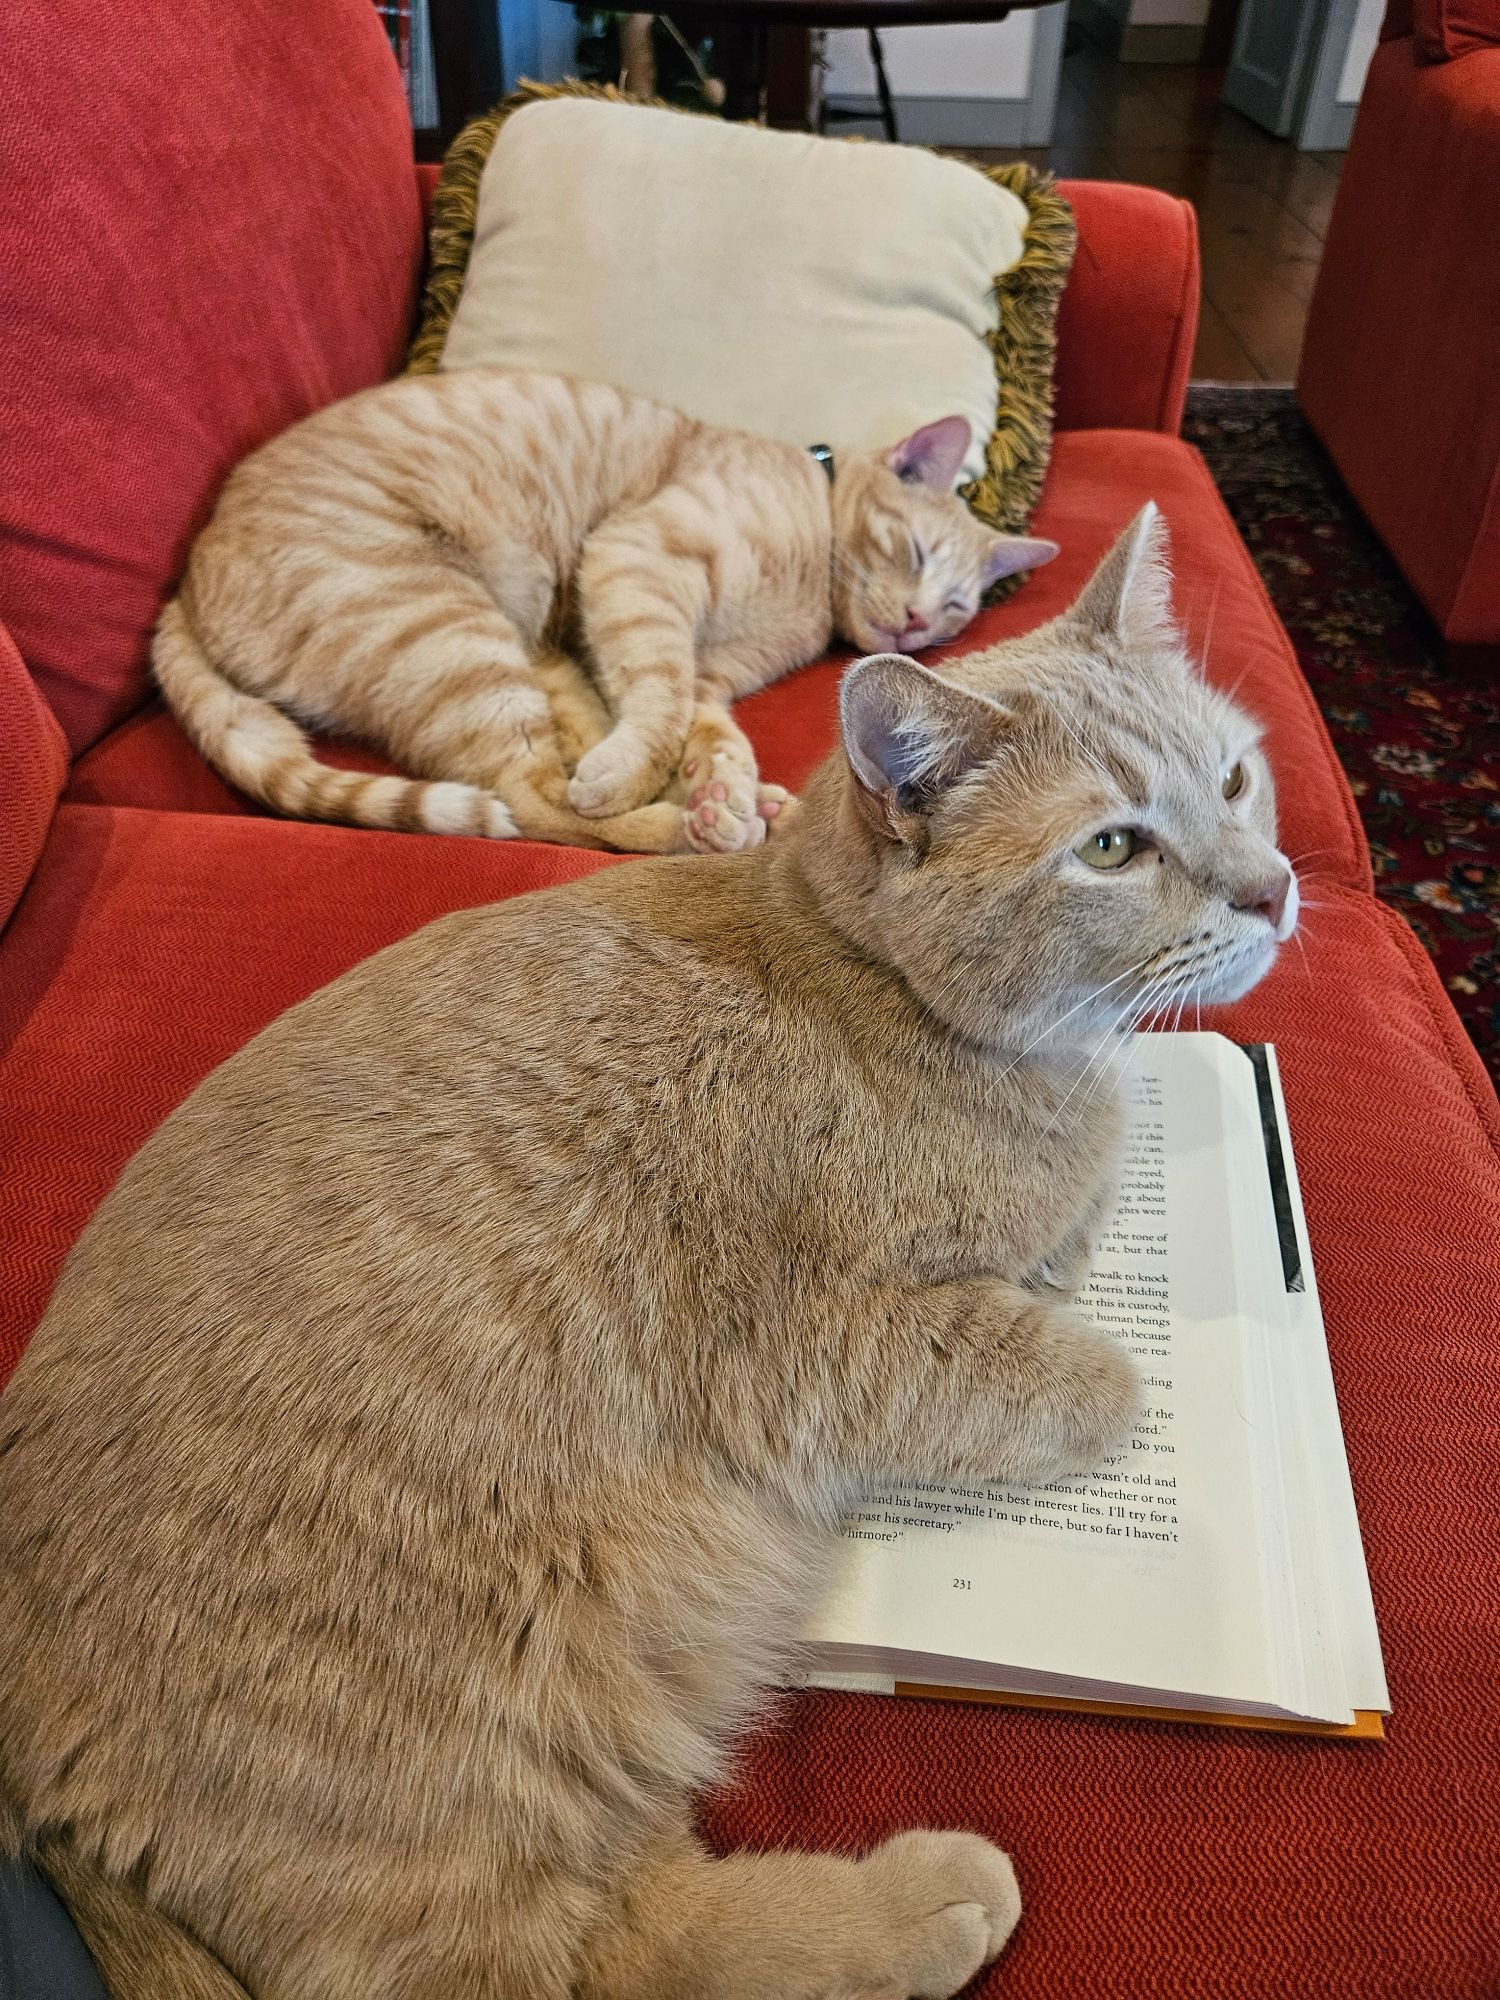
(1023, 343)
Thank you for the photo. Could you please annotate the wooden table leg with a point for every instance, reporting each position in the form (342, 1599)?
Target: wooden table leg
(883, 87)
(740, 58)
(789, 79)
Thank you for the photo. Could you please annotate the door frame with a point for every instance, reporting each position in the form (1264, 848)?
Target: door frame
(1320, 123)
(1302, 103)
(1045, 81)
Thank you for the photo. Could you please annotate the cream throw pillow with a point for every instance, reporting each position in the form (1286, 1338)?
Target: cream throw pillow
(801, 288)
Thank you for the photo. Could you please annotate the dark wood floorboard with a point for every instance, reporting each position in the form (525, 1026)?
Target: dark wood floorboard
(1262, 206)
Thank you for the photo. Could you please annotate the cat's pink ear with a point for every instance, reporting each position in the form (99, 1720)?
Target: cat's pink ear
(1129, 596)
(909, 737)
(1009, 555)
(932, 456)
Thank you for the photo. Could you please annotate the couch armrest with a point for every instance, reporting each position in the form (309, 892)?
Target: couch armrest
(36, 768)
(1129, 314)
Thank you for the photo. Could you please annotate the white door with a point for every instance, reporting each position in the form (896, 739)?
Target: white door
(1272, 40)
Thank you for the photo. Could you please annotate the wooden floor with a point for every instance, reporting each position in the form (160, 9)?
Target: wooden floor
(1263, 207)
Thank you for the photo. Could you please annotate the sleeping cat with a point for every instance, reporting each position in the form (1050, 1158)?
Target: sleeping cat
(404, 567)
(436, 1442)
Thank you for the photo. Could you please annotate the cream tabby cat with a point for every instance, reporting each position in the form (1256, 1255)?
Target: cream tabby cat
(401, 566)
(436, 1441)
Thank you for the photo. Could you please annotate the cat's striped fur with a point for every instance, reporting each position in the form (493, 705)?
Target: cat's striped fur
(414, 566)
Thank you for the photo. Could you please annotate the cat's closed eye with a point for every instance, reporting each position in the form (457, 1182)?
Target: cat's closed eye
(1234, 781)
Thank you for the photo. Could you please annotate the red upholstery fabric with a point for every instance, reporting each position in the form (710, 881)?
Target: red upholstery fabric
(1446, 29)
(1406, 397)
(1156, 1860)
(210, 227)
(1398, 20)
(147, 948)
(1129, 313)
(1443, 28)
(1098, 480)
(36, 767)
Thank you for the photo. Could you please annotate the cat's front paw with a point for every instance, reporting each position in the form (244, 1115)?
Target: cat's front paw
(777, 808)
(723, 810)
(1063, 1270)
(947, 1904)
(1080, 1394)
(616, 776)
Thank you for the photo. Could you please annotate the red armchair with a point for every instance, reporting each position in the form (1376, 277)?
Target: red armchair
(212, 225)
(1399, 375)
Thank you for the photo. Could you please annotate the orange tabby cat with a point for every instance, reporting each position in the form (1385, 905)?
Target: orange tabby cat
(400, 567)
(436, 1442)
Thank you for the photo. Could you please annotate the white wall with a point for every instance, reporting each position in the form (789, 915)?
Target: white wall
(989, 59)
(1361, 47)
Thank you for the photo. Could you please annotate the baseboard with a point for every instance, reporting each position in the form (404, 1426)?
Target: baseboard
(1161, 42)
(949, 121)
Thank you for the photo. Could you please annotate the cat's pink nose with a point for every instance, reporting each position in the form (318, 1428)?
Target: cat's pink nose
(915, 622)
(1268, 898)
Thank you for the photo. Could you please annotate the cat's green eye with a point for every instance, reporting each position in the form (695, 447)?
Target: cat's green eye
(1234, 782)
(1110, 849)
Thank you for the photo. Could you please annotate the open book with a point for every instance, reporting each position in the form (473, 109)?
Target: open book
(1212, 1569)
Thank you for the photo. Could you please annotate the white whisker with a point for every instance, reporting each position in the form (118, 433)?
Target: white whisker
(1208, 636)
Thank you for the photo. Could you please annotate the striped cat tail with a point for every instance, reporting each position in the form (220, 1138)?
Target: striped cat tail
(256, 747)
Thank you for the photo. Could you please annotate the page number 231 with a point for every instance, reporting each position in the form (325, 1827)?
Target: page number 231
(963, 1583)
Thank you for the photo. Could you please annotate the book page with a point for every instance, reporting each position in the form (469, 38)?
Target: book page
(1153, 1573)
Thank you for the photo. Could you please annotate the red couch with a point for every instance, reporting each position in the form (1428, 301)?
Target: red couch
(212, 225)
(1399, 375)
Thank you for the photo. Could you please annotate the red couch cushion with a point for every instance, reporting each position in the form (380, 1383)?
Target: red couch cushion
(36, 768)
(1097, 481)
(1156, 1859)
(210, 227)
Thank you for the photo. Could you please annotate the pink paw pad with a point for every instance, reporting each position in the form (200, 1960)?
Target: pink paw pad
(768, 808)
(720, 792)
(709, 816)
(689, 768)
